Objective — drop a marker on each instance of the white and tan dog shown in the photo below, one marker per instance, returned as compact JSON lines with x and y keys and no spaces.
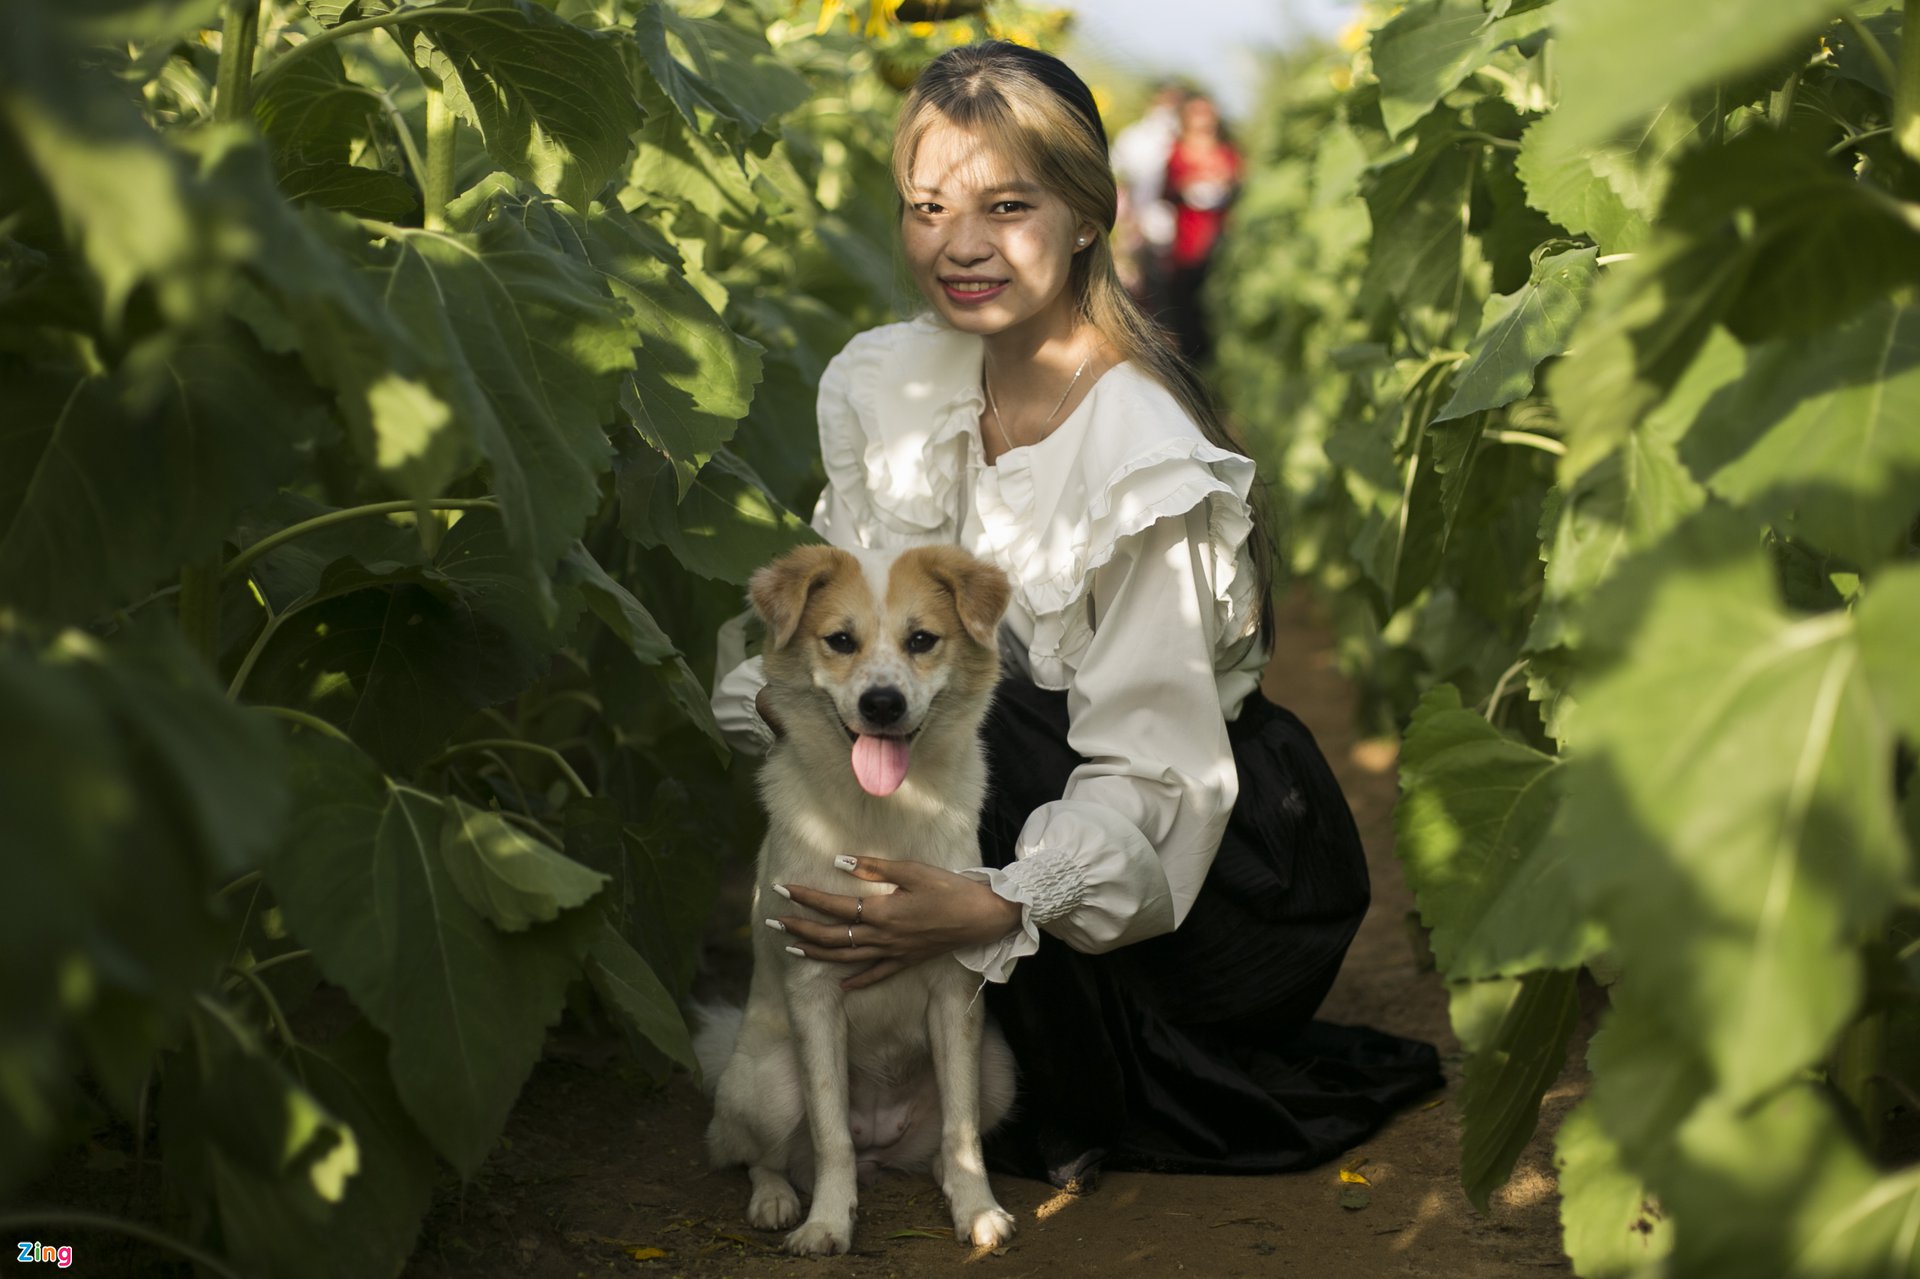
{"x":880,"y":668}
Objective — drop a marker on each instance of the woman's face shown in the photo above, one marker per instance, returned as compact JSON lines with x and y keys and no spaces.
{"x":989,"y":248}
{"x":1199,"y":115}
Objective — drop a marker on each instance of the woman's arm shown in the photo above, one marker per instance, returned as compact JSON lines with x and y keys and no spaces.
{"x":1140,"y":821}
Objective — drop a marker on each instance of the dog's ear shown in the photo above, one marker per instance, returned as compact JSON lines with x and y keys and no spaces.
{"x":980,"y":590}
{"x":780,"y":590}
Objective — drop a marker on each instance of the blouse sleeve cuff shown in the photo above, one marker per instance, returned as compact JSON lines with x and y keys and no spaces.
{"x":1045,"y":888}
{"x":736,"y":691}
{"x":1109,"y":884}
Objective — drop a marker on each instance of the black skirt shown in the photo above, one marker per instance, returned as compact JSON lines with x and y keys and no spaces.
{"x":1196,"y":1051}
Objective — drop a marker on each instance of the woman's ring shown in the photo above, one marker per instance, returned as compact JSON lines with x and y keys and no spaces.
{"x":849,"y":935}
{"x":859,"y":909}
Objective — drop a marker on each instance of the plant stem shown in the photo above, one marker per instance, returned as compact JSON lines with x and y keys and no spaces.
{"x":1855,"y":139}
{"x":415,"y":161}
{"x":285,"y":957}
{"x":436,"y":191}
{"x":305,"y":720}
{"x":1545,"y":443}
{"x":250,"y":878}
{"x":438,"y":187}
{"x":275,"y":1013}
{"x":275,"y":620}
{"x":239,"y":563}
{"x":154,"y":598}
{"x":1906,"y":88}
{"x":1488,"y":139}
{"x":1500,"y":689}
{"x":258,"y":647}
{"x":515,"y":743}
{"x":239,"y":33}
{"x":322,"y":39}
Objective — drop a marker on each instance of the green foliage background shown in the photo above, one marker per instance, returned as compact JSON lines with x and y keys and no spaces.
{"x":1585,"y":336}
{"x":393,"y":400}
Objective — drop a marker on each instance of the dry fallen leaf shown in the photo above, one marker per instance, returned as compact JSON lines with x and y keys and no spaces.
{"x":645,"y":1254}
{"x":1348,"y":1177}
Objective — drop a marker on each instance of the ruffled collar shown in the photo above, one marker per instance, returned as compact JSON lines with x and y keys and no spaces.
{"x":1052,"y":511}
{"x":931,"y":384}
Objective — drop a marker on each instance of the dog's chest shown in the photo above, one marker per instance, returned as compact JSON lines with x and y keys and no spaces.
{"x":887,"y":1023}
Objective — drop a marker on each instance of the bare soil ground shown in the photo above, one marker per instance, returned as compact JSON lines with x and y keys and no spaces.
{"x":601,"y":1177}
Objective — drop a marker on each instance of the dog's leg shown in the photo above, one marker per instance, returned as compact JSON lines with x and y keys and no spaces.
{"x":820,"y":1026}
{"x":953,"y":1032}
{"x":759,"y":1104}
{"x":773,"y":1205}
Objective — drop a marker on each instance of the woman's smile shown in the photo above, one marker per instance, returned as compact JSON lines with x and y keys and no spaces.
{"x":971,"y":292}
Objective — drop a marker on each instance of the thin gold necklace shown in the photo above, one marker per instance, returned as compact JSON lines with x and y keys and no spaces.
{"x":1000,"y":423}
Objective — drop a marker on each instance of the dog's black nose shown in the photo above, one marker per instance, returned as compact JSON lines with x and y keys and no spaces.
{"x":882,"y":706}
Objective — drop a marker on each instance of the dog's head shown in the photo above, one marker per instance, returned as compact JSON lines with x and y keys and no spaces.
{"x":890,"y":640}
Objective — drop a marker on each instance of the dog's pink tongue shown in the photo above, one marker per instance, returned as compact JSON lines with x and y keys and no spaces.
{"x":880,"y":763}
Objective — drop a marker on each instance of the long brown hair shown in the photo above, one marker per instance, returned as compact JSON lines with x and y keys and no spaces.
{"x":1042,"y":116}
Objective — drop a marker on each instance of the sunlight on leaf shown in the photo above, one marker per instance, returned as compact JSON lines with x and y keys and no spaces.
{"x":406,"y":416}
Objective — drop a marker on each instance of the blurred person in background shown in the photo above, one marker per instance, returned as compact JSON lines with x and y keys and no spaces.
{"x":1144,"y":233}
{"x":1202,"y":177}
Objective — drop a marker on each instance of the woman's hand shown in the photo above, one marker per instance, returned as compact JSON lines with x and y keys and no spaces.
{"x":930,"y":912}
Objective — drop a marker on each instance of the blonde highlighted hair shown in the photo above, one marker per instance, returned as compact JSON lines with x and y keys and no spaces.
{"x":1041,"y":116}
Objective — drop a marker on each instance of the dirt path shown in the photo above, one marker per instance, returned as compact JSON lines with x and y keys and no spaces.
{"x":599,"y":1176}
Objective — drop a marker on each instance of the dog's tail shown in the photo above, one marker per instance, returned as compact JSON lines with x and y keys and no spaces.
{"x":715,"y":1029}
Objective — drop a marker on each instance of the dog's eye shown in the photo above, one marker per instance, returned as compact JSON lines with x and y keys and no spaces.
{"x":841,"y":642}
{"x":921,"y":641}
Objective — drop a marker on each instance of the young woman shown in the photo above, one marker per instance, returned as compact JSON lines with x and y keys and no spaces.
{"x":1171,"y":875}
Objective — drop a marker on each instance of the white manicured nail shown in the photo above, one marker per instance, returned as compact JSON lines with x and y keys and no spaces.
{"x":782,"y":890}
{"x":795,"y":950}
{"x":776,"y":925}
{"x":846,"y":863}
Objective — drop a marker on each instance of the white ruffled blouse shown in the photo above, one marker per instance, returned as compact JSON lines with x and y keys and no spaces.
{"x":1125,"y":533}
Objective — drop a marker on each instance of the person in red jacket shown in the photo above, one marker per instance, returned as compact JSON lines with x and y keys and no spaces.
{"x":1203,"y":175}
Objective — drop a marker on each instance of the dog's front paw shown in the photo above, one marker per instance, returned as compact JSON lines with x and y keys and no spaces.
{"x":820,"y":1239}
{"x":773,"y":1207}
{"x":987,"y":1228}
